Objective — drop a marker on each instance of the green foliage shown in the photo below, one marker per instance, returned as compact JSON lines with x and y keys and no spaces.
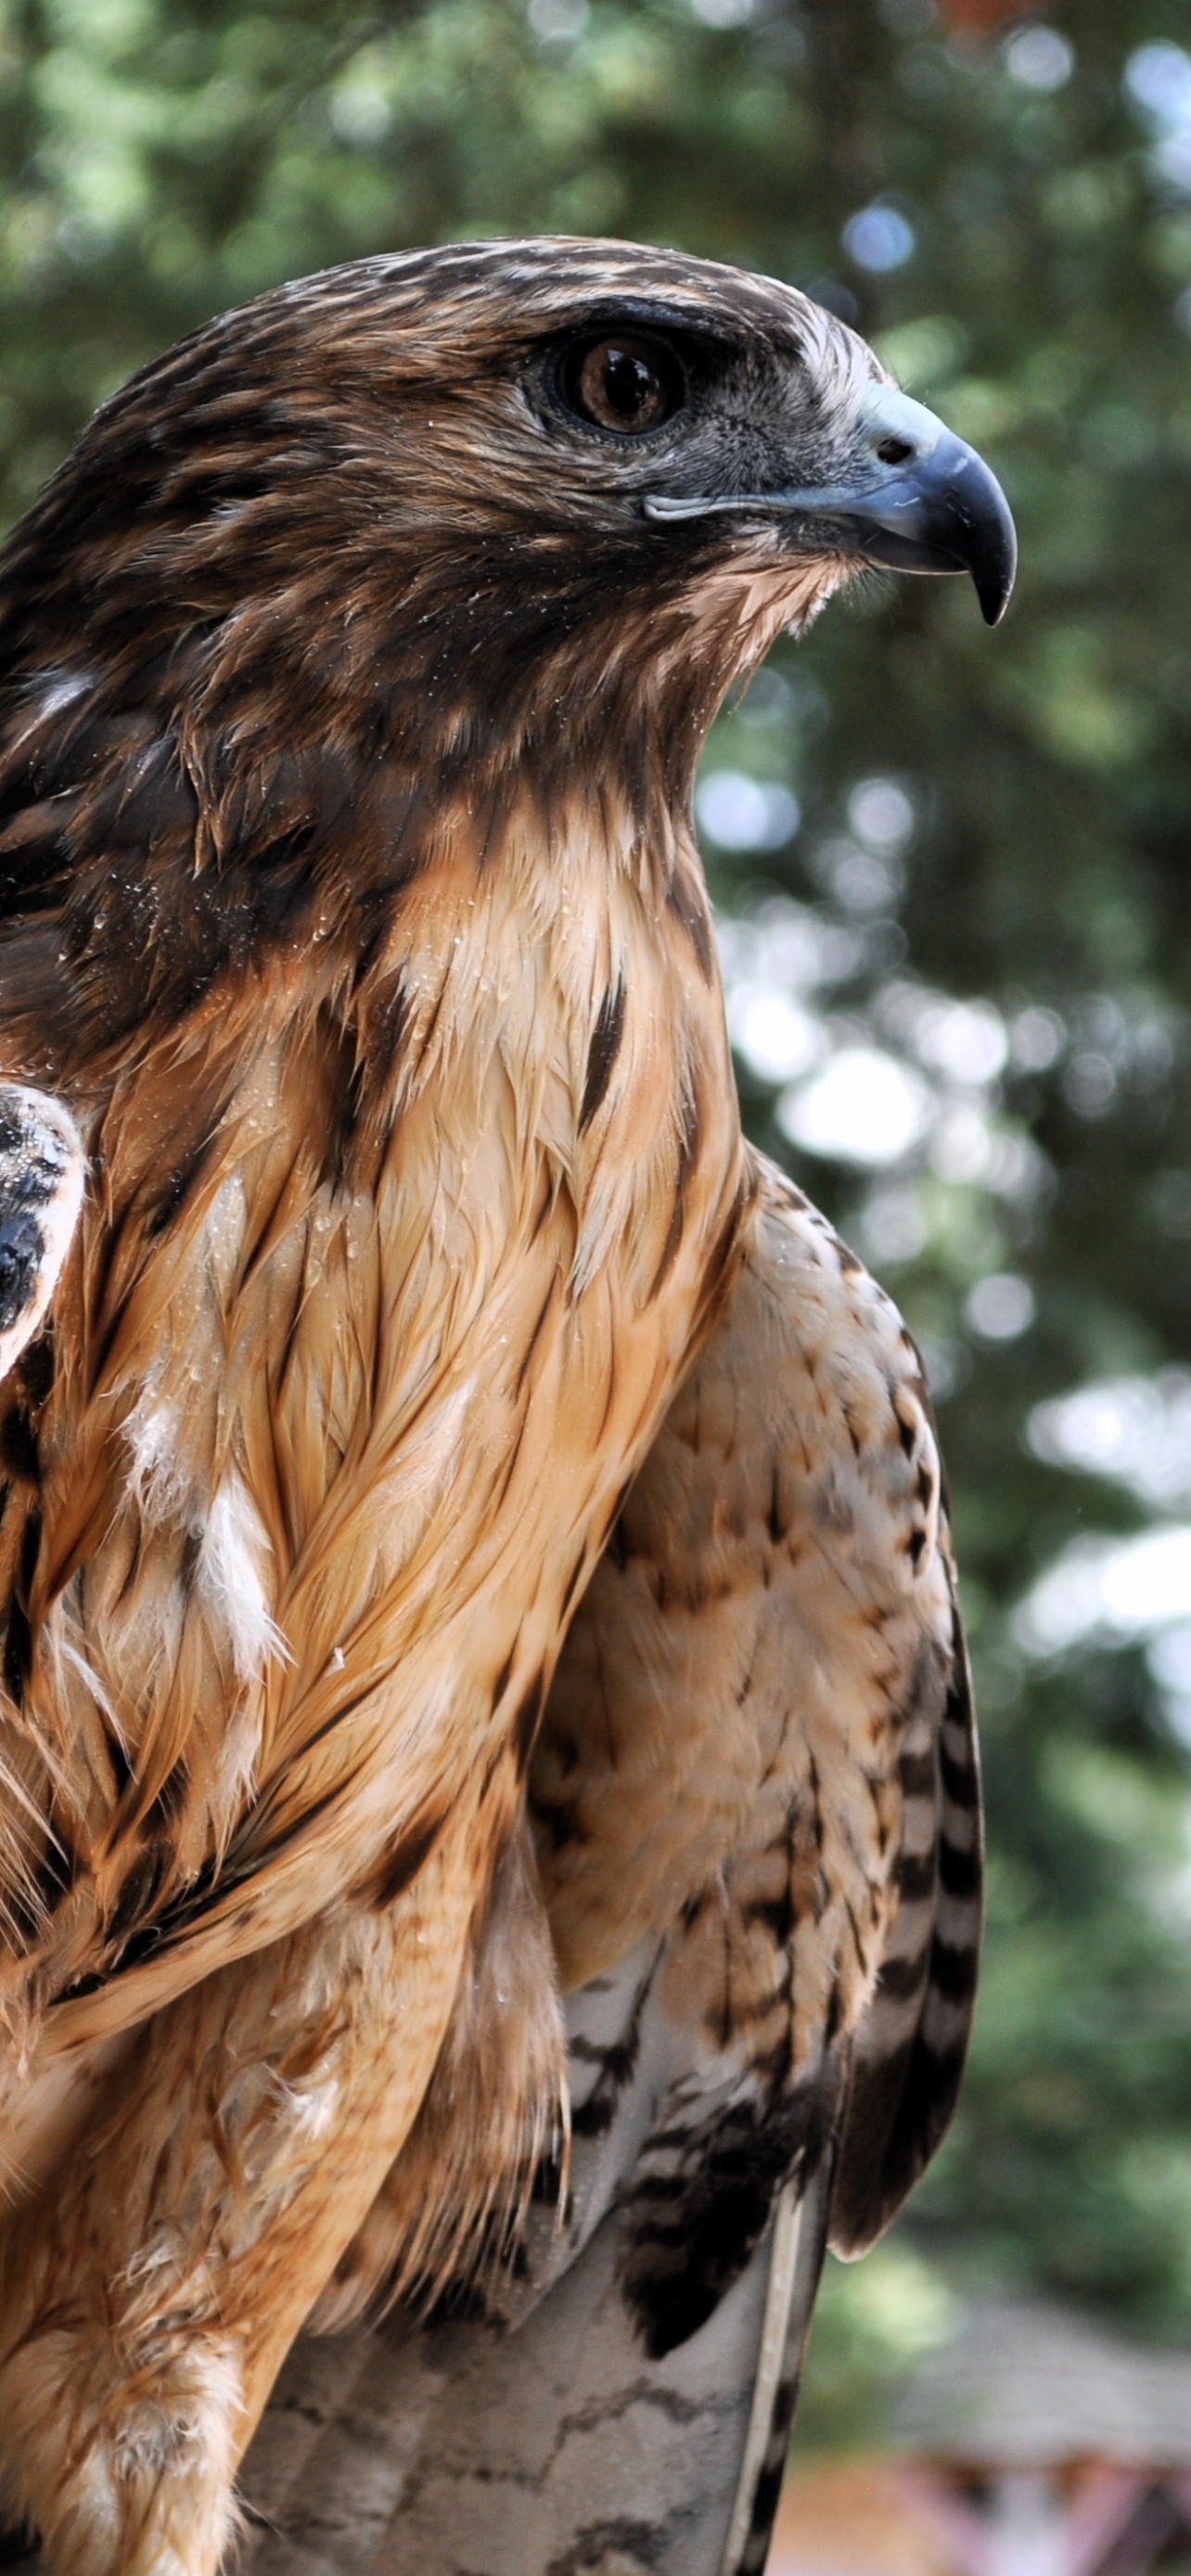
{"x":163,"y":158}
{"x":873,"y":2321}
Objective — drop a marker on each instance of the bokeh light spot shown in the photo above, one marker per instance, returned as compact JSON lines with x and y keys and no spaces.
{"x":878,"y":238}
{"x":1039,"y":58}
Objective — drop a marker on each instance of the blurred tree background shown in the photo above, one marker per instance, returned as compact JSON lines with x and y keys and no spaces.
{"x":954,"y":869}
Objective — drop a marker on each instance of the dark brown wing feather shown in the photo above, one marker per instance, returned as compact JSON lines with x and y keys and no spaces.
{"x":770,"y":1656}
{"x":911,"y":2045}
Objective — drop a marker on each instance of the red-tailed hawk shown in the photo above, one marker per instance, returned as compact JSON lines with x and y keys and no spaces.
{"x":425,"y":1310}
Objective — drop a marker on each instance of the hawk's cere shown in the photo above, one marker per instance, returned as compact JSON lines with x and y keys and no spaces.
{"x":488,"y":1816}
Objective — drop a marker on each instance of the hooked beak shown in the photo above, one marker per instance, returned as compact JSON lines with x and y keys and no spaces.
{"x":922,"y":501}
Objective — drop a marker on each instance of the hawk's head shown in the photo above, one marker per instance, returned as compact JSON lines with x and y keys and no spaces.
{"x":605,"y":392}
{"x":476,"y":467}
{"x":420,"y":522}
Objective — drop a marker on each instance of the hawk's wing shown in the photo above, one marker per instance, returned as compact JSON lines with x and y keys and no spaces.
{"x":757,"y":1809}
{"x":42,"y":1170}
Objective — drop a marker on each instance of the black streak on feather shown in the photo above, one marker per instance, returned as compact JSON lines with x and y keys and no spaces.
{"x":34,"y":1372}
{"x":959,"y":1870}
{"x":18,"y":1446}
{"x":527,"y":1722}
{"x":603,"y":1051}
{"x":687,"y":905}
{"x":617,"y":2063}
{"x":636,"y":2545}
{"x":688,"y":2235}
{"x":688,"y":1148}
{"x":18,"y":1643}
{"x":953,"y":1971}
{"x":404,"y":1862}
{"x":172,"y":1198}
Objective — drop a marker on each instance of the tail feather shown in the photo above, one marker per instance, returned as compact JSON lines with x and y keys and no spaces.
{"x":797,"y":2246}
{"x":544,"y":2438}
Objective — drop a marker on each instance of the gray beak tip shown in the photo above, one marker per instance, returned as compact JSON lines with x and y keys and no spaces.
{"x":990,"y":552}
{"x":994,"y":587}
{"x":945,"y":512}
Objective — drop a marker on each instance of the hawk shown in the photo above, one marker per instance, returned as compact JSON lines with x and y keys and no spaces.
{"x":489,"y":1814}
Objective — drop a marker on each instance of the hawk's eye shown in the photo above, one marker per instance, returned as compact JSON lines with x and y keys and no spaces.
{"x":623,"y":382}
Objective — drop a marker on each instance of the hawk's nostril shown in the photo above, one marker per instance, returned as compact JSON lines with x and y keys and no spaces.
{"x":894,"y":451}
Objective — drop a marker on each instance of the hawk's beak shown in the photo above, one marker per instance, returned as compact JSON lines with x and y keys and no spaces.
{"x":922,"y":500}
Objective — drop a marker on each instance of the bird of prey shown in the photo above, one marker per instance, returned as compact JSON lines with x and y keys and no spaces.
{"x":488,"y":1816}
